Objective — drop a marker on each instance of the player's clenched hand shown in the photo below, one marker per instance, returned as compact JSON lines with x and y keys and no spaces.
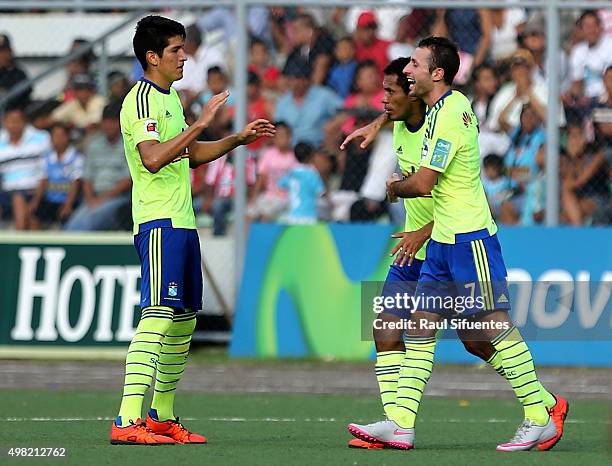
{"x":212,"y":107}
{"x":255,"y":130}
{"x":368,"y":133}
{"x":410,"y":243}
{"x":390,"y":194}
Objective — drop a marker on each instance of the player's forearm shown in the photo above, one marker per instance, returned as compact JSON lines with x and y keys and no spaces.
{"x":206,"y":152}
{"x":409,"y":187}
{"x":426,"y":230}
{"x":155,"y":156}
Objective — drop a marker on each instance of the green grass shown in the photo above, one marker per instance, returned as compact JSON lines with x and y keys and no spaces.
{"x":278,"y":429}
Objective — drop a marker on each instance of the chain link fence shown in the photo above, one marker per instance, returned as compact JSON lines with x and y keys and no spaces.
{"x":317,"y":71}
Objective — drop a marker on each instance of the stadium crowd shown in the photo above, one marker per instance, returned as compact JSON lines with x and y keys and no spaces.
{"x":318,"y":74}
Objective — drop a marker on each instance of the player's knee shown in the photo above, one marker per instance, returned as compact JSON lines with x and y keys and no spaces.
{"x":388,"y":340}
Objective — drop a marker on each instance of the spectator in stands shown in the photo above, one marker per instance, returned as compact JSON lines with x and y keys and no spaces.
{"x":106,"y":179}
{"x":220,"y":187}
{"x":85,"y":110}
{"x":304,"y":185}
{"x":216,"y":81}
{"x":259,"y":63}
{"x":588,"y":60}
{"x":485,"y":85}
{"x":534,"y":40}
{"x":11,"y":75}
{"x":268,"y":200}
{"x":313,"y":44}
{"x":79,"y":66}
{"x":470,"y":29}
{"x":410,"y":29}
{"x":497,"y":185}
{"x":57,"y":193}
{"x":368,"y":95}
{"x":199,"y":60}
{"x":602,"y":117}
{"x":585,"y":184}
{"x":507,"y":25}
{"x":368,"y":46}
{"x":21,"y":151}
{"x":508,"y":102}
{"x":305,"y":108}
{"x":118,"y":87}
{"x":258,"y":106}
{"x":523,"y":161}
{"x":342,"y":72}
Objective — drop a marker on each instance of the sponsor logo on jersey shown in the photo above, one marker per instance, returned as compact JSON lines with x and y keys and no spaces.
{"x":440,"y":154}
{"x":150,"y":126}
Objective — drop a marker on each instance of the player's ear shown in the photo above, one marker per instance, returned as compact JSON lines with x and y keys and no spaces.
{"x":437,"y":74}
{"x":152,"y":58}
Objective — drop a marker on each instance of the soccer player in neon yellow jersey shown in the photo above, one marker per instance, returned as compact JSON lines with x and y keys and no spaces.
{"x":160,"y":148}
{"x":463,"y":260}
{"x":408,"y":116}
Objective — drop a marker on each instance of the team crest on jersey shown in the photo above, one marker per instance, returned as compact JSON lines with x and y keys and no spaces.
{"x":467,"y":119}
{"x":172,"y":290}
{"x":150,"y":126}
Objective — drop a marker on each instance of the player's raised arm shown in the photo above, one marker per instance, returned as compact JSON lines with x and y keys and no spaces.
{"x":205,"y":152}
{"x":155,"y":155}
{"x":367,"y":132}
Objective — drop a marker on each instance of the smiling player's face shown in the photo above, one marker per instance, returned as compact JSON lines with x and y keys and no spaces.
{"x":417,"y":70}
{"x":170,"y":64}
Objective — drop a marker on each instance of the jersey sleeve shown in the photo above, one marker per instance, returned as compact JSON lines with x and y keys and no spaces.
{"x":440,"y":149}
{"x":143,"y":117}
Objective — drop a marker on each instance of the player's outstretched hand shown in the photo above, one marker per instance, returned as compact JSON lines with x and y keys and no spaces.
{"x":212,"y":107}
{"x":410,"y":243}
{"x":256,"y":129}
{"x":368,"y":133}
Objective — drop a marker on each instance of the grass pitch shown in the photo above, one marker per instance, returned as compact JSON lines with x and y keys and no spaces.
{"x":274,"y":429}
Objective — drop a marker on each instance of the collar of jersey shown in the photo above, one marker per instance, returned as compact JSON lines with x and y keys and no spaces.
{"x":446,"y":94}
{"x":414,"y":129}
{"x":160,"y":89}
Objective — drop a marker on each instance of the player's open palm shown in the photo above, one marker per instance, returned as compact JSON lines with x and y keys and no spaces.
{"x":256,"y":129}
{"x":212,"y":107}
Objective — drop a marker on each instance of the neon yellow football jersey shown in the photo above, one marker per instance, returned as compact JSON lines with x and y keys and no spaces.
{"x":450,"y":147}
{"x":152,"y":113}
{"x":407,"y":144}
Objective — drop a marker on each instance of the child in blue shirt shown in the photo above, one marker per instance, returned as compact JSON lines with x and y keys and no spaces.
{"x":304,"y":185}
{"x":56,"y":196}
{"x":497,"y":185}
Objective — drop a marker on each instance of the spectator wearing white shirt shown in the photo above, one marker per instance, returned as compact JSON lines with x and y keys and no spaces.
{"x":588,"y":60}
{"x":507,"y":104}
{"x":21,"y":151}
{"x":507,"y":25}
{"x":199,"y":59}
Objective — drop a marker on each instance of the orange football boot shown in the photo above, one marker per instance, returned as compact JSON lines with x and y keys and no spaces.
{"x":175,"y":430}
{"x":358,"y":443}
{"x":558,"y":413}
{"x":137,"y":433}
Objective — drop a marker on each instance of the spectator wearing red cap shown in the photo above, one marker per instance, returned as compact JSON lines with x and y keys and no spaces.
{"x":368,"y":46}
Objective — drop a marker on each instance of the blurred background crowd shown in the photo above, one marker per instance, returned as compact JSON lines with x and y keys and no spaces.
{"x":317,"y":73}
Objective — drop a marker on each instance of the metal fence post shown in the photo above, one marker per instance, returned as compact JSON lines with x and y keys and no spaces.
{"x":103,"y":71}
{"x":552,"y":121}
{"x":240,"y":153}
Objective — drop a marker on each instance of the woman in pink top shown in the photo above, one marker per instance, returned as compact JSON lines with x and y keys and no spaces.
{"x":268,"y":200}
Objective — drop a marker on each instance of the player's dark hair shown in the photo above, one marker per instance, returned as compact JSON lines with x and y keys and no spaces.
{"x":153,"y":34}
{"x":303,"y":152}
{"x":396,"y":68}
{"x":444,"y":54}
